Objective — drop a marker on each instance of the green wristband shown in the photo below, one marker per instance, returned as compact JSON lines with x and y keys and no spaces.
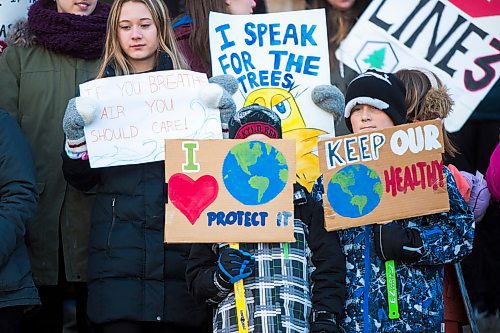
{"x":392,"y":289}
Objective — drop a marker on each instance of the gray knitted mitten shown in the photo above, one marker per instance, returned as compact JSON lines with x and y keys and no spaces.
{"x":80,"y":112}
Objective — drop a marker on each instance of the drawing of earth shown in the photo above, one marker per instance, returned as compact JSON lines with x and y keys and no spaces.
{"x":254,"y":172}
{"x":354,"y":191}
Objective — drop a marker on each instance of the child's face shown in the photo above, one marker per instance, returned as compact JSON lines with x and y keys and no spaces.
{"x":240,"y":7}
{"x":83,"y":7}
{"x":138,"y":36}
{"x":368,"y":118}
{"x":341,"y":5}
{"x":258,"y":136}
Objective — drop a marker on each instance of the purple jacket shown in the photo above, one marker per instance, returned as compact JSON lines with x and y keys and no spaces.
{"x":479,"y":194}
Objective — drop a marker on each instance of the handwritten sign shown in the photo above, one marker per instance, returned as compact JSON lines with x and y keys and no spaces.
{"x":379,"y":176}
{"x":11,"y":11}
{"x":229,"y":191}
{"x":278,"y":59}
{"x":138,"y":112}
{"x":440,"y":36}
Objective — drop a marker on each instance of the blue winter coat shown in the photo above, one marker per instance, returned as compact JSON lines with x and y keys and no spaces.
{"x":18,"y":200}
{"x":447,"y":238}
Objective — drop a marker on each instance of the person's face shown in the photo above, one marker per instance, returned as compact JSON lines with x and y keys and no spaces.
{"x":138,"y":36}
{"x":257,"y":136}
{"x":77,"y":7}
{"x":240,"y":7}
{"x":341,"y":5}
{"x":367,"y":118}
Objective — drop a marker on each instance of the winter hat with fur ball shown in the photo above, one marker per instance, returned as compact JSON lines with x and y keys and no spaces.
{"x":383,"y":91}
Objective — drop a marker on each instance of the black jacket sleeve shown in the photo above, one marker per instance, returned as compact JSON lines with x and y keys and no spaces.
{"x":18,"y":194}
{"x":200,"y":275}
{"x":329,"y":276}
{"x":79,"y":173}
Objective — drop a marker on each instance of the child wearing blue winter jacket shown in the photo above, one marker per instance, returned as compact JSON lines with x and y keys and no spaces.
{"x":18,"y":203}
{"x":420,"y":246}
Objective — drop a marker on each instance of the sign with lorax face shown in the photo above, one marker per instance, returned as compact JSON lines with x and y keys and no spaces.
{"x":278,"y":59}
{"x":383,"y":175}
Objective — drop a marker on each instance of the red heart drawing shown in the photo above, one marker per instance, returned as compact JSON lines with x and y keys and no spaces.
{"x":192,"y":197}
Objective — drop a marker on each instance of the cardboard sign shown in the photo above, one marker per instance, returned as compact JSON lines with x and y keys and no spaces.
{"x":278,"y":59}
{"x":138,"y":112}
{"x":229,"y":191}
{"x":437,"y":35}
{"x":10,"y":12}
{"x":380,"y":176}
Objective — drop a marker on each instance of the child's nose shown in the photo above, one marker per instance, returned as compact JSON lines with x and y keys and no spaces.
{"x":136,"y":33}
{"x":365,"y":113}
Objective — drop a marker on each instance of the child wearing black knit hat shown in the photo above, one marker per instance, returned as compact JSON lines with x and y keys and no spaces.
{"x":379,"y":91}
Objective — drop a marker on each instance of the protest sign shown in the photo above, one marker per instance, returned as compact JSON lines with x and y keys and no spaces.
{"x":11,"y":11}
{"x":138,"y":112}
{"x":233,"y":191}
{"x":278,"y":59}
{"x":385,"y":175}
{"x":457,"y":40}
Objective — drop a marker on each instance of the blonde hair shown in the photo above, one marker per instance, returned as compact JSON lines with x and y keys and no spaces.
{"x":113,"y":53}
{"x":426,"y":98}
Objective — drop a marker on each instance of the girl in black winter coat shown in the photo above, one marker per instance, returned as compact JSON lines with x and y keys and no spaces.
{"x":136,"y":282}
{"x":18,"y":201}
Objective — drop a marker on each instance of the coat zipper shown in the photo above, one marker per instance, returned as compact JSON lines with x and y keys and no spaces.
{"x":112,"y":221}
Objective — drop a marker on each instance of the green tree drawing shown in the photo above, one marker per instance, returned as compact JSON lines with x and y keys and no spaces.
{"x":376,"y":59}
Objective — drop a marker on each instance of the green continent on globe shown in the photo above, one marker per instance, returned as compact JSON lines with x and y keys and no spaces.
{"x":283,"y":175}
{"x":260,"y":184}
{"x":246,"y":156}
{"x":283,"y":172}
{"x":345,"y":180}
{"x":378,"y":189}
{"x":360,"y":201}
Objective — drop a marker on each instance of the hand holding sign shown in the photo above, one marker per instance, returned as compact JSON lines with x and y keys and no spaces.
{"x":397,"y":242}
{"x":80,"y":112}
{"x":233,"y":265}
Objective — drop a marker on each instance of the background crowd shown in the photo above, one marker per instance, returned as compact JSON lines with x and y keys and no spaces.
{"x":75,"y":262}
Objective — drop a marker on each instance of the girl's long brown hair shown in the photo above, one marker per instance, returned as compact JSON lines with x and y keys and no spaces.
{"x":113,"y":53}
{"x":199,"y":10}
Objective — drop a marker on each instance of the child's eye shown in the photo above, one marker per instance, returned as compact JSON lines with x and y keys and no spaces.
{"x":145,"y":26}
{"x":124,"y":27}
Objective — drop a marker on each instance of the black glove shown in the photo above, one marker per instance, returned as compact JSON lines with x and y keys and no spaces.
{"x":232,"y":266}
{"x":397,"y":242}
{"x":324,"y":322}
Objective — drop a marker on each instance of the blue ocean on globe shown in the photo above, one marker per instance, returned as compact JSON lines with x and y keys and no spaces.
{"x":354,"y":191}
{"x":254,"y":172}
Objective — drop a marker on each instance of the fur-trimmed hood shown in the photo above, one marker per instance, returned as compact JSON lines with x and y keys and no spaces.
{"x":20,"y":35}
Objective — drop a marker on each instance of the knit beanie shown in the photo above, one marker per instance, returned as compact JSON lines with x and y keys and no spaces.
{"x":383,"y":91}
{"x":254,"y":119}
